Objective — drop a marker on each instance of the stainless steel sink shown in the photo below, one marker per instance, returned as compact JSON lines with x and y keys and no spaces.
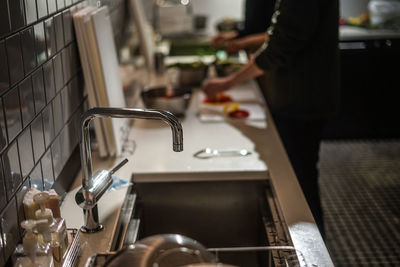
{"x":221,"y":214}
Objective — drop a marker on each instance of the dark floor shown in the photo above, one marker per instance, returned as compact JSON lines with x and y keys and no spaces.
{"x":360,"y":192}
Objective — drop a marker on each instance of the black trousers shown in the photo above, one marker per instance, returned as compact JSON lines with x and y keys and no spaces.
{"x":301,"y":139}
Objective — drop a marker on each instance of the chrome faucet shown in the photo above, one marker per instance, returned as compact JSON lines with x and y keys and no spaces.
{"x":94,"y":186}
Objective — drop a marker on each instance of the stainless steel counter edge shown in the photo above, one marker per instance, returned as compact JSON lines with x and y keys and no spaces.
{"x":297,"y":215}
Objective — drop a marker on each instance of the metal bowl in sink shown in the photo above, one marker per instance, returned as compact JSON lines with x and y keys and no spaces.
{"x":175,"y":100}
{"x":165,"y":250}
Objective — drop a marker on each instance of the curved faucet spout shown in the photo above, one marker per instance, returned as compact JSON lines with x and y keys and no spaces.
{"x":91,"y":223}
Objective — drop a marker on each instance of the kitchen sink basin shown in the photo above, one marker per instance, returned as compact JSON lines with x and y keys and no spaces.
{"x":223,"y":214}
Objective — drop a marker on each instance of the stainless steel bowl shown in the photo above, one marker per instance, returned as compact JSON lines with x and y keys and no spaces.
{"x":192,"y":77}
{"x":165,"y":250}
{"x":174,"y":100}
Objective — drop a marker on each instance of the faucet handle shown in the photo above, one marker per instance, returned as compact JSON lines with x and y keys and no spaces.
{"x":118,"y":166}
{"x":101,"y":181}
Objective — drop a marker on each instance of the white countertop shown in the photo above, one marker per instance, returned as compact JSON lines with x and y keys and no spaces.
{"x":154,"y":160}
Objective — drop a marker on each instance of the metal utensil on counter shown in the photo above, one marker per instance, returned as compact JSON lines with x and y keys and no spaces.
{"x":207,"y":153}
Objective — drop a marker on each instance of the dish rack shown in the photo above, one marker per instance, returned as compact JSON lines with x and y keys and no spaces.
{"x":74,"y":249}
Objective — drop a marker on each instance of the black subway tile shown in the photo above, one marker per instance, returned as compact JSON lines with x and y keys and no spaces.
{"x":3,"y":197}
{"x":52,"y":6}
{"x":60,"y":4}
{"x":3,"y":131}
{"x":66,"y":103}
{"x":68,"y":26}
{"x":58,"y":72}
{"x":25,"y":151}
{"x":14,"y":56}
{"x":4,"y":19}
{"x":4,"y":80}
{"x":48,"y":125}
{"x":37,"y":137}
{"x":13,"y":113}
{"x":66,"y":60}
{"x":49,"y":82}
{"x":57,"y":157}
{"x":41,"y":8}
{"x":20,"y":207}
{"x":36,"y":177}
{"x":27,"y":101}
{"x":30,"y":11}
{"x":40,"y":43}
{"x":75,"y":61}
{"x":50,"y":37}
{"x":28,"y":49}
{"x":17,"y":14}
{"x":76,"y":93}
{"x":57,"y":111}
{"x":38,"y":90}
{"x":47,"y":168}
{"x":58,"y":22}
{"x":12,"y":170}
{"x":9,"y":224}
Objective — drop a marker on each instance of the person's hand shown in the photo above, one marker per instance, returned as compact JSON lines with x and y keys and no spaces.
{"x":220,"y":39}
{"x":217,"y":85}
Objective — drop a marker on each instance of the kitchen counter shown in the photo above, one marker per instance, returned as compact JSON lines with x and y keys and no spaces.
{"x":352,"y":33}
{"x":153,"y":160}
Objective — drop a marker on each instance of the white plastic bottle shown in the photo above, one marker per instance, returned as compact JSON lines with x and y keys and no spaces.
{"x":30,"y":253}
{"x":53,"y":231}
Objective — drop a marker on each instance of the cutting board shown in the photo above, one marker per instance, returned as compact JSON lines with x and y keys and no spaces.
{"x":247,"y":100}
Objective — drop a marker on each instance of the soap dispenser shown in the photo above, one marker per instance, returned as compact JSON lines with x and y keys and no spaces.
{"x":30,"y":253}
{"x":53,"y":231}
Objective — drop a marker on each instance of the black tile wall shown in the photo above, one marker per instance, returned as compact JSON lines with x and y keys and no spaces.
{"x":30,"y":11}
{"x":28,"y":49}
{"x":58,"y":23}
{"x":25,"y":151}
{"x":14,"y":55}
{"x":49,"y":83}
{"x":4,"y":81}
{"x":3,"y":133}
{"x":27,"y":101}
{"x":38,"y":90}
{"x":17,"y":14}
{"x":13,"y":114}
{"x":60,"y":4}
{"x":50,"y":37}
{"x":37,"y":135}
{"x":41,"y":100}
{"x":40,"y":42}
{"x":58,"y":72}
{"x":12,"y":170}
{"x":47,"y":168}
{"x":4,"y":19}
{"x":3,"y":198}
{"x":41,"y":8}
{"x":52,"y":6}
{"x":48,"y":125}
{"x":9,"y":225}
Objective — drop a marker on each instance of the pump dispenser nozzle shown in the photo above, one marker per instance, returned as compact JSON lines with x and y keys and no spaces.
{"x":43,"y":212}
